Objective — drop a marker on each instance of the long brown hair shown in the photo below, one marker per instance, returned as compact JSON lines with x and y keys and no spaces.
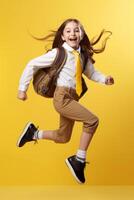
{"x":85,"y":43}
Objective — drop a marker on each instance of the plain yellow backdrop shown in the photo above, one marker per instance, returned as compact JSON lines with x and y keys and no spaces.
{"x":111,"y":152}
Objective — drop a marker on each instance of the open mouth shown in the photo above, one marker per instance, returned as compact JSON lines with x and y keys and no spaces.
{"x":73,"y":39}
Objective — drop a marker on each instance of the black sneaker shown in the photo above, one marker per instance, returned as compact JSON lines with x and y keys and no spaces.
{"x":27,"y":134}
{"x":77,"y":168}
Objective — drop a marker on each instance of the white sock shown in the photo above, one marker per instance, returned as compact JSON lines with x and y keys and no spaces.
{"x":38,"y":135}
{"x":81,"y":155}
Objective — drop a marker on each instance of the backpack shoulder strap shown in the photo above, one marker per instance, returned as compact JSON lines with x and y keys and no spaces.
{"x":60,"y":59}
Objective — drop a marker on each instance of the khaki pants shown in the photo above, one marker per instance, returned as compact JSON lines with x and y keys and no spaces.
{"x":66,"y":104}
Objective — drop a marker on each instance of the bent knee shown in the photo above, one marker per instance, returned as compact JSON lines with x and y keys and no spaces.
{"x":65,"y":140}
{"x":96,"y":121}
{"x":94,"y":125}
{"x":91,"y":125}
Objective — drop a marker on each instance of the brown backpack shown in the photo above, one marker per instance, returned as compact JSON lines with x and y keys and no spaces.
{"x":44,"y":80}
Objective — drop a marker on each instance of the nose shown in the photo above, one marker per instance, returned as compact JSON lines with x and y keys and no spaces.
{"x":72,"y":33}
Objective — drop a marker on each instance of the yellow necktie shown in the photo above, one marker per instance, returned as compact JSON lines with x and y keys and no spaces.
{"x":78,"y":73}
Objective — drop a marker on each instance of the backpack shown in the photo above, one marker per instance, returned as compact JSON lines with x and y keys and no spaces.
{"x":44,"y":80}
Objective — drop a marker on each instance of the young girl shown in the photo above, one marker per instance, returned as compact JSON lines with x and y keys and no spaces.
{"x":72,"y":36}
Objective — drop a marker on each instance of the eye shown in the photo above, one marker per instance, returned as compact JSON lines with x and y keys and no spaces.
{"x":77,"y":30}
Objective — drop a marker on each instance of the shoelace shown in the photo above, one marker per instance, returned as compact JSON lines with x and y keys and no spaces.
{"x":35,"y":141}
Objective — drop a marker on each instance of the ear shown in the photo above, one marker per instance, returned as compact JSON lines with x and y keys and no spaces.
{"x":62,"y":37}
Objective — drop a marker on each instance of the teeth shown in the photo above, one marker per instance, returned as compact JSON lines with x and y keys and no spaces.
{"x":73,"y":39}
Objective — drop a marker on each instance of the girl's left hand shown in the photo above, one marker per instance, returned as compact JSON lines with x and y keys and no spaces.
{"x":109,"y":80}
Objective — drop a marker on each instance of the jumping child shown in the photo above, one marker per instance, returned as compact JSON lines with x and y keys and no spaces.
{"x":73,"y":38}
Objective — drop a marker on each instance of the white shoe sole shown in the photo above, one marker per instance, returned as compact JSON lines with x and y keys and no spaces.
{"x":72,"y":171}
{"x":23,"y":133}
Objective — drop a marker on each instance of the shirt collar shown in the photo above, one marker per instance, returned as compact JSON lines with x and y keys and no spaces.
{"x":68,"y":48}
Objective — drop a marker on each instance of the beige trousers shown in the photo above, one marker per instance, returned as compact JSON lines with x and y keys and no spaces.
{"x":66,"y":104}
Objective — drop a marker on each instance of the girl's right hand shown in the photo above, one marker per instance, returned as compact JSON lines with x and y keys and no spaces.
{"x":22,"y":95}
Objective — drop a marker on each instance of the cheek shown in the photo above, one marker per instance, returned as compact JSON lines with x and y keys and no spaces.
{"x":64,"y":37}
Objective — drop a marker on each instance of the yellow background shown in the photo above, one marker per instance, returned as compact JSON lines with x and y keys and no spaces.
{"x":111,"y":152}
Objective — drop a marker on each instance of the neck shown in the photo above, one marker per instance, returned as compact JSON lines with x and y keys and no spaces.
{"x":75,"y":48}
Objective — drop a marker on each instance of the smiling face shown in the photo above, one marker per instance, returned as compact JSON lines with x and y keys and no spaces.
{"x":72,"y":34}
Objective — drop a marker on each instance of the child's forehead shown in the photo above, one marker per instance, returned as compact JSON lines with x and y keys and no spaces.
{"x":72,"y":24}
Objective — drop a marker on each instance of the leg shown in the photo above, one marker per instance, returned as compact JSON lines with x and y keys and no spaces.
{"x":75,"y":111}
{"x":85,"y":141}
{"x":61,"y":135}
{"x":69,"y":108}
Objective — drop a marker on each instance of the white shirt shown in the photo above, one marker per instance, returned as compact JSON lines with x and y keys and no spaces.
{"x":67,"y":74}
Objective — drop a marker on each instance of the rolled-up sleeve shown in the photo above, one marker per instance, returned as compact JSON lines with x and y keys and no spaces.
{"x":33,"y":66}
{"x":93,"y":74}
